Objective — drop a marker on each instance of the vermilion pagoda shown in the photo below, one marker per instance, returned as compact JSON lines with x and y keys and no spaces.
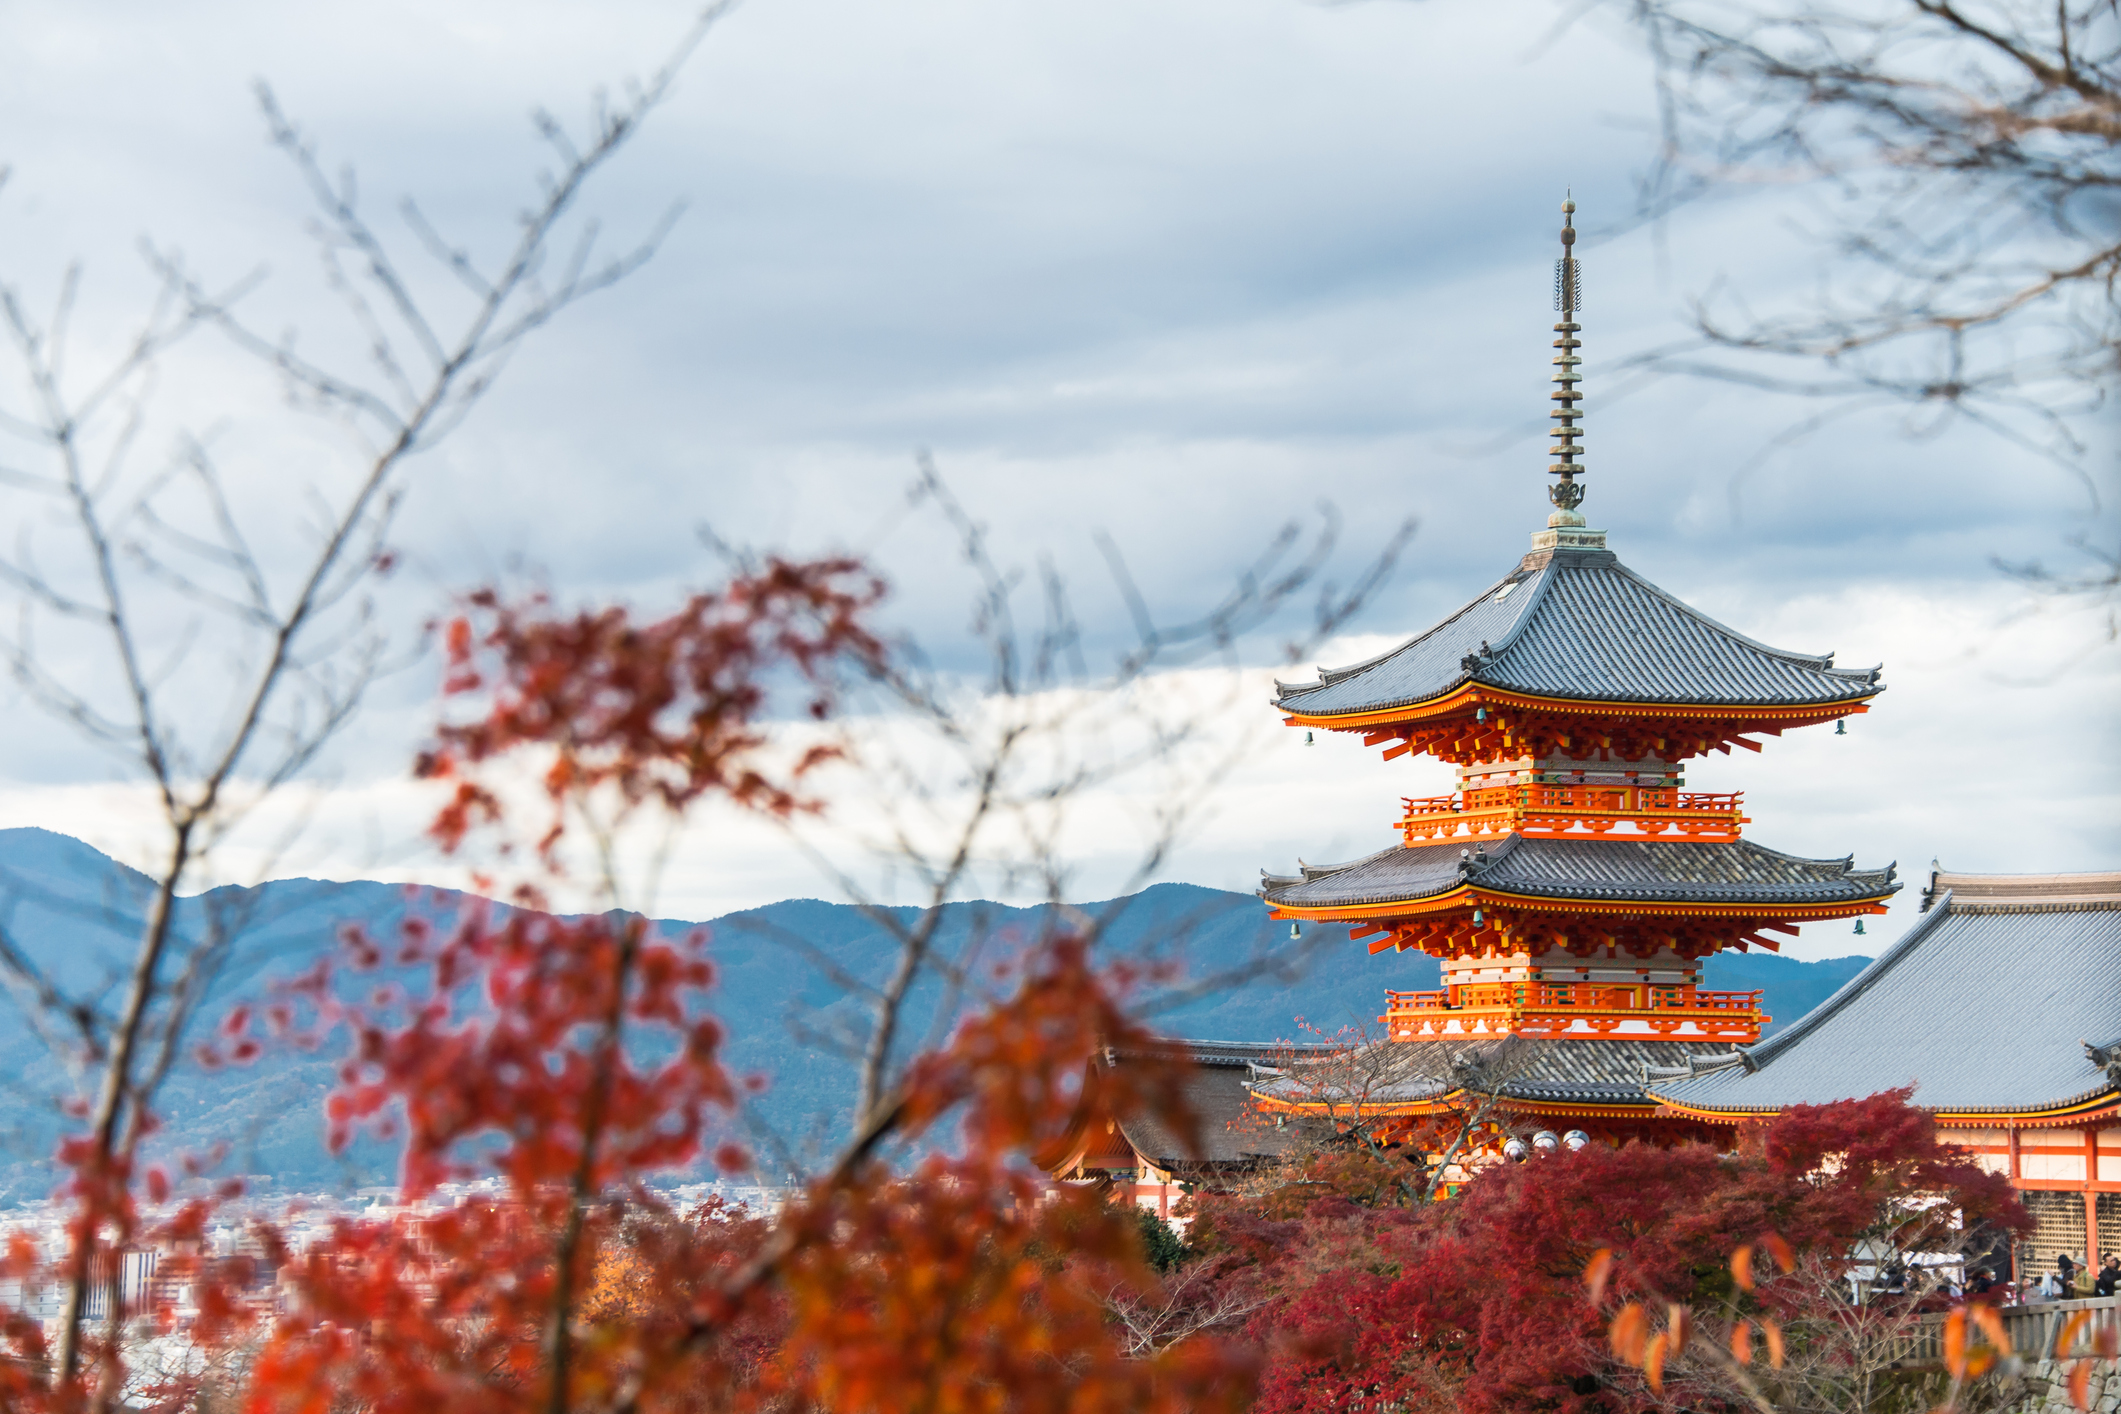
{"x":1573,"y":884}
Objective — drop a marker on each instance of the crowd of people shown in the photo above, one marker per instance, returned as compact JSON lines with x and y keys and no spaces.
{"x":2069,"y":1280}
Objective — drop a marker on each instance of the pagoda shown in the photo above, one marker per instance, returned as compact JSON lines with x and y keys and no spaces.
{"x":1572,"y":884}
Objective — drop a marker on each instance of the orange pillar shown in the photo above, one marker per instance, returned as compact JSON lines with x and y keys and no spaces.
{"x":2016,"y":1173}
{"x":2091,"y":1200}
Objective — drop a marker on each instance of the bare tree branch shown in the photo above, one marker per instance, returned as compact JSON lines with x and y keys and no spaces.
{"x":304,"y":652}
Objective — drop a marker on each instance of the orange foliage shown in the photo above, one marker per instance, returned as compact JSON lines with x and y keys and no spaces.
{"x":664,"y":712}
{"x":574,"y":1058}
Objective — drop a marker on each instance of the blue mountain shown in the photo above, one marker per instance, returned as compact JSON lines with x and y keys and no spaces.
{"x":1213,"y":967}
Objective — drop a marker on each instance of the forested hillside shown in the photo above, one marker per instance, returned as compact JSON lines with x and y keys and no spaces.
{"x":75,"y":912}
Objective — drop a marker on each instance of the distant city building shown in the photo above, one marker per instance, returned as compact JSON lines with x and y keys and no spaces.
{"x":139,"y":1280}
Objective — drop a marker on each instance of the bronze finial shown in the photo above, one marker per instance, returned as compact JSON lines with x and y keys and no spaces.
{"x":1568,"y":296}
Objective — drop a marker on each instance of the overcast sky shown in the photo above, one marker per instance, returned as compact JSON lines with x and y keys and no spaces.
{"x":1171,"y":270}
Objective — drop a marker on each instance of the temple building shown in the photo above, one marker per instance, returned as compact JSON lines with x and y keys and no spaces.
{"x":2027,"y":1075}
{"x":1139,"y":1157}
{"x":1573,"y":883}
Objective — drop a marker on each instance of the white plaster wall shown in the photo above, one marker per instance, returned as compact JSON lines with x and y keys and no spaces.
{"x":2032,"y":1164}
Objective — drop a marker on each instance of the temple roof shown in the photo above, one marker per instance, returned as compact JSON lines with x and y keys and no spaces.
{"x":1576,"y":623}
{"x":2022,"y":893}
{"x":1585,"y":1072}
{"x":1688,"y":871}
{"x":1989,"y":1003}
{"x":1215,"y":1087}
{"x":1223,"y":1077}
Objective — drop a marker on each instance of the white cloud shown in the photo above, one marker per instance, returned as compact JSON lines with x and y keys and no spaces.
{"x":1172,"y":271}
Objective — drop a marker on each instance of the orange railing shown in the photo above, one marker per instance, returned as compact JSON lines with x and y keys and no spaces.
{"x":1598,"y":995}
{"x":1536,"y":1008}
{"x":1724,"y":1001}
{"x":1549,"y":810}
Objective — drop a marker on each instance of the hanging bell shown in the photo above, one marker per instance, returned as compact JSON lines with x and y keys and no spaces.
{"x":1859,"y":927}
{"x":1307,"y":739}
{"x":1841,"y":726}
{"x":1477,"y":915}
{"x":1480,"y":715}
{"x":1295,"y":932}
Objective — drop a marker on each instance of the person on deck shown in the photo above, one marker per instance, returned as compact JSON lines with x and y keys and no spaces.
{"x":2109,"y":1277}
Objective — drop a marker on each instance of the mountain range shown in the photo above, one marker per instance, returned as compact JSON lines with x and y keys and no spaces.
{"x":74,"y":913}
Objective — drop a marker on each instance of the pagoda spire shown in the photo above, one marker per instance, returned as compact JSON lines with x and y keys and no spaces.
{"x":1568,"y":292}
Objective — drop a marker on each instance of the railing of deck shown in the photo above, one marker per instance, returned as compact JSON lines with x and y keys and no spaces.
{"x":2033,"y":1329}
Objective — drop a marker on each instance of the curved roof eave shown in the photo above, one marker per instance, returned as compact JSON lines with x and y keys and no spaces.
{"x":1327,"y":677}
{"x":1295,"y":707}
{"x":1489,"y":665}
{"x":1490,"y":873}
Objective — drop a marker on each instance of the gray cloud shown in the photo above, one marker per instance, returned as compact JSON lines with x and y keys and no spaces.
{"x":1174,"y":272}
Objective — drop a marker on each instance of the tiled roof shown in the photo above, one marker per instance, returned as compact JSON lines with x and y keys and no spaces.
{"x":1223,"y":1075}
{"x":1601,"y":1072}
{"x":1215,"y":1086}
{"x":2022,"y":893}
{"x":1623,"y":870}
{"x":1982,"y":1006}
{"x":1578,"y":623}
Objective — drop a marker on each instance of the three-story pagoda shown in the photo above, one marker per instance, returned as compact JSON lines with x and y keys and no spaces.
{"x":1573,"y":883}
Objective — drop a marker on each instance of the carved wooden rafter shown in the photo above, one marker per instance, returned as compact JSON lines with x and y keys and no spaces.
{"x":1508,"y":929}
{"x":1475,"y":725}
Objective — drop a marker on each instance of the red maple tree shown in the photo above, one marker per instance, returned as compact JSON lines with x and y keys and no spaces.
{"x":1477,"y":1304}
{"x":573,"y":1058}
